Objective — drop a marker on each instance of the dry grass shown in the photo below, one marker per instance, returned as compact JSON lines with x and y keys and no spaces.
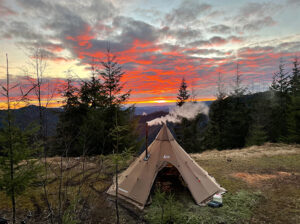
{"x":272,"y":169}
{"x":268,"y":149}
{"x":257,"y":178}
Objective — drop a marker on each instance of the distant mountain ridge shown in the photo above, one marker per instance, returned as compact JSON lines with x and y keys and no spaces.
{"x":27,"y":115}
{"x":150,"y":109}
{"x":30,"y":114}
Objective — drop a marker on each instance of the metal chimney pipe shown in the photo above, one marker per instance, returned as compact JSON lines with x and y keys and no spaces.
{"x":146,"y":143}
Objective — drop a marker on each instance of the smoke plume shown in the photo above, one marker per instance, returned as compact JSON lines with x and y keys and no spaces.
{"x":188,"y":110}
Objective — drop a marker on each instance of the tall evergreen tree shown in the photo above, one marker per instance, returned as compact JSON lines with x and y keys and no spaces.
{"x":221,"y":94}
{"x":295,"y":79}
{"x":90,"y":110}
{"x":70,"y":120}
{"x":293,"y":110}
{"x":188,"y":132}
{"x":293,"y":120}
{"x":18,"y":169}
{"x":228,"y":123}
{"x":280,"y":87}
{"x":112,"y":73}
{"x":183,"y":94}
{"x":280,"y":83}
{"x":238,"y":88}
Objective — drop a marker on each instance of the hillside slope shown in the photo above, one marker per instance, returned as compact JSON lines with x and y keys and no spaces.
{"x":271,"y":171}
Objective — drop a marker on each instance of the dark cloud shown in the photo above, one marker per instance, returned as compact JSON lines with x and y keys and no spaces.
{"x":289,"y":46}
{"x":221,"y":29}
{"x":259,"y":23}
{"x":258,"y":10}
{"x":134,"y":30}
{"x":186,"y":12}
{"x":215,"y":41}
{"x":92,"y":10}
{"x":22,"y":30}
{"x":5,"y":10}
{"x":205,"y":51}
{"x":293,"y":2}
{"x":26,"y":37}
{"x":181,"y":34}
{"x":254,"y":16}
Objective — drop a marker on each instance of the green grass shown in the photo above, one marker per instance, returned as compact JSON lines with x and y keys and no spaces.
{"x":238,"y":208}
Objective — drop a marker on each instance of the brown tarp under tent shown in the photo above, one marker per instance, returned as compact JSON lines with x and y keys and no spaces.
{"x":135,"y":183}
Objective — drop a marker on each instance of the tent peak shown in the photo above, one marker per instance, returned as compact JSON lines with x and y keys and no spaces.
{"x":164,"y":134}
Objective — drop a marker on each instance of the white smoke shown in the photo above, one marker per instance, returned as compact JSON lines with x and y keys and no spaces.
{"x":188,"y":110}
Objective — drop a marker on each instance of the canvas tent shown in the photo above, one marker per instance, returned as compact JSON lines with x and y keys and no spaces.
{"x":135,"y":183}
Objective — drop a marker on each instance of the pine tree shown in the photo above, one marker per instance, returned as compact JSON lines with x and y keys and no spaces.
{"x":280,"y":81}
{"x":93,"y":93}
{"x":221,"y":94}
{"x":111,"y":74}
{"x":293,"y":112}
{"x":259,"y":115}
{"x":295,"y":79}
{"x":88,"y":115}
{"x":280,"y":87}
{"x":238,"y":89}
{"x":293,"y":121}
{"x":18,"y":169}
{"x":70,"y":120}
{"x":183,"y":94}
{"x":256,"y":136}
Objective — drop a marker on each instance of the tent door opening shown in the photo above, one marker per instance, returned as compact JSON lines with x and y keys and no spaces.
{"x":169,"y":180}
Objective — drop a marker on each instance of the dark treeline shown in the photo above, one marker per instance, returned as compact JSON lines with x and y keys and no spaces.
{"x":242,"y":119}
{"x":91,"y":112}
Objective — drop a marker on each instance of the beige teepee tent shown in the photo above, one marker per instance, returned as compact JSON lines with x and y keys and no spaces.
{"x":135,"y":183}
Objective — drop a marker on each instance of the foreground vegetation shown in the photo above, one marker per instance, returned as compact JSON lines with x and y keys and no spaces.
{"x":262,"y":183}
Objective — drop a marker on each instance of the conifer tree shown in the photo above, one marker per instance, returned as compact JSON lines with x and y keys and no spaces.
{"x":280,"y":87}
{"x":238,"y":89}
{"x":112,"y":73}
{"x":293,"y":112}
{"x":256,"y":136}
{"x":280,"y":83}
{"x":18,"y":169}
{"x":221,"y":94}
{"x":293,"y":120}
{"x":90,"y":109}
{"x":183,"y":94}
{"x":295,"y":79}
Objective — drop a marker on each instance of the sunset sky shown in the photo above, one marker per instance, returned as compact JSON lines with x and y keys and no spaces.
{"x":157,"y":42}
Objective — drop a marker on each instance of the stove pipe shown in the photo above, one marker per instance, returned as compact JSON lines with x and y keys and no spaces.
{"x":146,"y":143}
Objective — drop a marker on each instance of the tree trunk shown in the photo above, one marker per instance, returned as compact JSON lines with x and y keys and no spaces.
{"x":11,"y":153}
{"x":117,"y":205}
{"x":117,"y":185}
